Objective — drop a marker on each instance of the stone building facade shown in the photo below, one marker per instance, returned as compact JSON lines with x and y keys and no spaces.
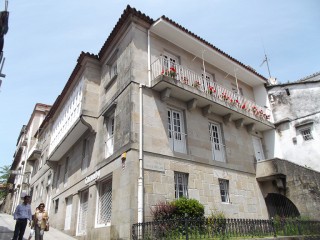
{"x":296,"y":110}
{"x":151,"y":118}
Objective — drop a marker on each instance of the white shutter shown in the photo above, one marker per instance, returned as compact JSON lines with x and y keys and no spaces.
{"x":109,"y":137}
{"x":67,"y":222}
{"x":257,"y":146}
{"x":83,"y":212}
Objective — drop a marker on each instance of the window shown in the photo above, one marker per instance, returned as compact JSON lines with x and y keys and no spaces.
{"x":224,"y":190}
{"x":67,"y":221}
{"x":181,"y":185}
{"x":216,"y":142}
{"x":109,"y":142}
{"x":85,"y":155}
{"x":169,"y":61}
{"x":176,"y":134}
{"x":104,"y":202}
{"x":66,"y":170}
{"x":36,"y":193}
{"x":56,"y":205}
{"x":41,"y":189}
{"x":306,"y":133}
{"x":113,"y":70}
{"x":257,"y":147}
{"x":58,"y":175}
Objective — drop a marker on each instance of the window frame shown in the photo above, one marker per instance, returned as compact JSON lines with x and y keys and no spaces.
{"x":306,"y":136}
{"x":176,"y":131}
{"x":109,"y":134}
{"x":224,"y":190}
{"x":220,"y":144}
{"x":107,"y":181}
{"x":184,"y":184}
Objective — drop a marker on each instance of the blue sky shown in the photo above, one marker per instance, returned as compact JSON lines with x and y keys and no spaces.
{"x":45,"y":38}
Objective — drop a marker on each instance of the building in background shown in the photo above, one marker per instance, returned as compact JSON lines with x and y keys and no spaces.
{"x":158,"y":114}
{"x":296,"y":111}
{"x":20,"y":176}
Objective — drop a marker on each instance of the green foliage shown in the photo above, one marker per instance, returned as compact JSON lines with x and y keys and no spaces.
{"x":192,"y":207}
{"x":163,"y":211}
{"x":4,"y":176}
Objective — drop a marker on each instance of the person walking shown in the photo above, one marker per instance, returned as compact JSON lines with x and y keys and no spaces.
{"x":40,"y":221}
{"x":22,"y":214}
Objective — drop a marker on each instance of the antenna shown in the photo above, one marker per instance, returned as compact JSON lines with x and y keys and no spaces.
{"x":266,"y":60}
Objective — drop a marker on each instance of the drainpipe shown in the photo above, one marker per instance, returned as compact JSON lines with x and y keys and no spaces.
{"x":140,"y":179}
{"x":149,"y":59}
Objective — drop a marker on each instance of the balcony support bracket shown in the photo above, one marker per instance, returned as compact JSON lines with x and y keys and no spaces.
{"x":192,"y":104}
{"x":165,"y":94}
{"x":207,"y":110}
{"x":227,"y":118}
{"x":250,"y":127}
{"x":239,"y":123}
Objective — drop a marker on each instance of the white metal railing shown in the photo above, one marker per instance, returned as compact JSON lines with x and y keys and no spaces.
{"x":217,"y":92}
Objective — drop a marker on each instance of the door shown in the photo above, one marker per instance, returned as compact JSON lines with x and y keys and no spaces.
{"x":67,"y":222}
{"x":258,"y":150}
{"x":83,"y":213}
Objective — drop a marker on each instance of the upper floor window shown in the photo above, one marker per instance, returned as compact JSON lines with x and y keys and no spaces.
{"x":306,"y":133}
{"x":224,"y":190}
{"x":218,"y":153}
{"x":85,"y":154}
{"x":176,"y":133}
{"x":169,"y":61}
{"x":104,"y":202}
{"x":66,"y":170}
{"x":181,"y":185}
{"x":58,"y":175}
{"x":113,"y":70}
{"x":236,"y":89}
{"x":109,"y":136}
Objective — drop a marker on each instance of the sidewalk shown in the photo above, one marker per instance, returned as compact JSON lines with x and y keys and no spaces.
{"x":7,"y":227}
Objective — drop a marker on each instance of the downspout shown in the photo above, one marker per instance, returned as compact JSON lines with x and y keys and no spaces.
{"x":140,"y":179}
{"x":149,"y":59}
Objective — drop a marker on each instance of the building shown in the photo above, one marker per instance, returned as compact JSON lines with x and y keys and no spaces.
{"x":296,"y":111}
{"x":157,"y":114}
{"x":19,"y":180}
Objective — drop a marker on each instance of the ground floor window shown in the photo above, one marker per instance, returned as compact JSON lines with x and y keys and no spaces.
{"x":181,"y":185}
{"x":224,"y":190}
{"x":83,"y":212}
{"x":104,"y":202}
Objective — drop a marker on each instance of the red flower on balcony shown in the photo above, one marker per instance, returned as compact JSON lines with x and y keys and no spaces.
{"x":211,"y":90}
{"x":243,"y":106}
{"x":196,"y":84}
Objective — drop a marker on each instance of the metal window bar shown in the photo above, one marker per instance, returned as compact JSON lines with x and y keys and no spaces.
{"x":105,"y":202}
{"x":181,"y":185}
{"x":219,"y":94}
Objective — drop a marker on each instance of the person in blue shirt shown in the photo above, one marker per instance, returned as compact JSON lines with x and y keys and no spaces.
{"x":22,"y":214}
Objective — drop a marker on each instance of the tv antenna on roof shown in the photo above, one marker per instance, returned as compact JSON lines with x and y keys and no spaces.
{"x":266,"y":60}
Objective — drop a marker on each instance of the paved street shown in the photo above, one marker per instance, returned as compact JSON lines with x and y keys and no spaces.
{"x":7,"y":226}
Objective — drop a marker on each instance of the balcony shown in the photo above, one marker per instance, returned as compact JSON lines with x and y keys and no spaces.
{"x":186,"y":85}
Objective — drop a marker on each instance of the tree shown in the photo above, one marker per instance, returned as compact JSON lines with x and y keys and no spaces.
{"x":4,"y":176}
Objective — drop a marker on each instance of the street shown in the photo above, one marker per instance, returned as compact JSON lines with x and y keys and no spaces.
{"x":7,"y":227}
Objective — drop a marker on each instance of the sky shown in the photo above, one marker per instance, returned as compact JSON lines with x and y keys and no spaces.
{"x":46,"y":37}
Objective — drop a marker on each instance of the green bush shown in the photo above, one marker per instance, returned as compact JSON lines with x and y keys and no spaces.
{"x":192,"y":207}
{"x":162,"y":211}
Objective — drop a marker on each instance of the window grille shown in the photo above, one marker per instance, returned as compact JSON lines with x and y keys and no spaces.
{"x":181,"y":185}
{"x":306,"y":134}
{"x":83,"y":213}
{"x":104,"y":202}
{"x":224,"y":190}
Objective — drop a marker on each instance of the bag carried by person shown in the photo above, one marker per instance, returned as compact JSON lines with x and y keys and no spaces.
{"x":47,"y":227}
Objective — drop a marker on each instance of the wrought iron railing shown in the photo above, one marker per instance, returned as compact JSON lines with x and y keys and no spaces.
{"x":214,"y":91}
{"x":209,"y":228}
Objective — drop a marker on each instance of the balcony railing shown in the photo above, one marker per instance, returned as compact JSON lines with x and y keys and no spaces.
{"x":214,"y":91}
